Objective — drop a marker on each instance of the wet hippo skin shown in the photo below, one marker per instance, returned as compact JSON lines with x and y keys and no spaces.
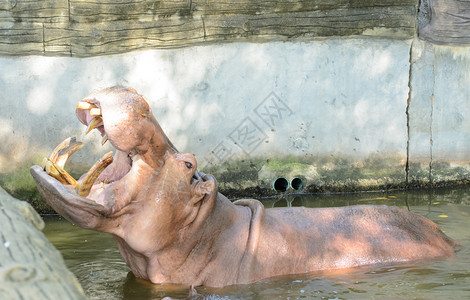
{"x":172,"y":226}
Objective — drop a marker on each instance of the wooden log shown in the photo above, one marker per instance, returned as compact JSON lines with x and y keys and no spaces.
{"x":449,"y":22}
{"x":30,"y":266}
{"x":250,"y":7}
{"x":86,"y":28}
{"x":311,"y":24}
{"x":34,"y":11}
{"x":86,"y":11}
{"x":21,"y":38}
{"x":89,"y":39}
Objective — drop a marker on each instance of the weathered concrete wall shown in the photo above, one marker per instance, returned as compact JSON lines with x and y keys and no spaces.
{"x":339,"y":113}
{"x":439,"y":113}
{"x":30,"y":267}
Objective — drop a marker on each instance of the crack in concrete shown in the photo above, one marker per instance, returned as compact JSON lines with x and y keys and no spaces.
{"x":204,"y":27}
{"x":70,"y":14}
{"x":43,"y":39}
{"x":431,"y":141}
{"x":407,"y":112}
{"x":430,"y":138}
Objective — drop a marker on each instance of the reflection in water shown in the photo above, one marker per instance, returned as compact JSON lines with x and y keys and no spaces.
{"x":95,"y":260}
{"x":285,"y":201}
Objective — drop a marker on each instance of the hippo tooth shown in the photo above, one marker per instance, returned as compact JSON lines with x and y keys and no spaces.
{"x":85,"y":105}
{"x":93,"y":123}
{"x":60,"y":174}
{"x":104,"y":140}
{"x":61,"y":153}
{"x":54,"y":165}
{"x":95,"y":171}
{"x":95,"y":111}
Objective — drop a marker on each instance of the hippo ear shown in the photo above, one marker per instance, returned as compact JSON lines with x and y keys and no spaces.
{"x":205,"y":188}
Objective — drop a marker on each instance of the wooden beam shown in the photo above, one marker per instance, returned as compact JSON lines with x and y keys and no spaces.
{"x":86,"y":28}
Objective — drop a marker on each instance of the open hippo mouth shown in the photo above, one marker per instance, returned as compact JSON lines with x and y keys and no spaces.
{"x":127,"y":122}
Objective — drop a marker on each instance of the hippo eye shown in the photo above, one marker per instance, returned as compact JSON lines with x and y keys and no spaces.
{"x":188,"y":165}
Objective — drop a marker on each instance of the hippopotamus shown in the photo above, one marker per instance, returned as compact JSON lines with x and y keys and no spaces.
{"x":172,"y":225}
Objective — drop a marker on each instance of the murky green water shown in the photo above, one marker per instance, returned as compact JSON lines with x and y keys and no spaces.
{"x":95,"y":260}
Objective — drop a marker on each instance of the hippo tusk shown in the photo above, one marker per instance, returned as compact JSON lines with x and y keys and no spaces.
{"x":62,"y":152}
{"x":104,"y":140}
{"x":95,"y":111}
{"x":85,"y":105}
{"x":60,"y":174}
{"x":93,"y":123}
{"x":54,"y":165}
{"x":95,"y":171}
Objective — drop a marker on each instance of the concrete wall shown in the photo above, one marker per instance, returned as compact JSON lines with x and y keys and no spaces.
{"x":341,"y":113}
{"x":439,"y":113}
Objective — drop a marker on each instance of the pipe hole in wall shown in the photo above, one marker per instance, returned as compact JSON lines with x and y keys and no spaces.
{"x":296,"y":183}
{"x":280,"y":185}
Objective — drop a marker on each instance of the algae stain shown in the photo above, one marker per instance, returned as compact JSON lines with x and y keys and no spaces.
{"x":20,"y":184}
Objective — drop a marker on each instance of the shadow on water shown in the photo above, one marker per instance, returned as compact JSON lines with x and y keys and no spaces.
{"x":94,"y":258}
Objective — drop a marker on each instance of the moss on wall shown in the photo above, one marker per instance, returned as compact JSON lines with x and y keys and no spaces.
{"x":21,"y":185}
{"x":323,"y":174}
{"x":254,"y":177}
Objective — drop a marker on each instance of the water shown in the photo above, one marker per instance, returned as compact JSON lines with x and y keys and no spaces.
{"x":93,"y":257}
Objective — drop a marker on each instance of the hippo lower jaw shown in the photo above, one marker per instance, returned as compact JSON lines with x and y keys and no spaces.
{"x":105,"y":172}
{"x":62,"y":191}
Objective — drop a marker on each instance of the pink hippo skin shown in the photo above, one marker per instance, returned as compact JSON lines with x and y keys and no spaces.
{"x":172,"y":226}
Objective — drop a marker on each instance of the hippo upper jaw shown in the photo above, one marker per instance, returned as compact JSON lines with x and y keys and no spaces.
{"x":125,"y":119}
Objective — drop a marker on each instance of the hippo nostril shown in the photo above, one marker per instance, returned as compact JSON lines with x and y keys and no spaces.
{"x":197,"y":176}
